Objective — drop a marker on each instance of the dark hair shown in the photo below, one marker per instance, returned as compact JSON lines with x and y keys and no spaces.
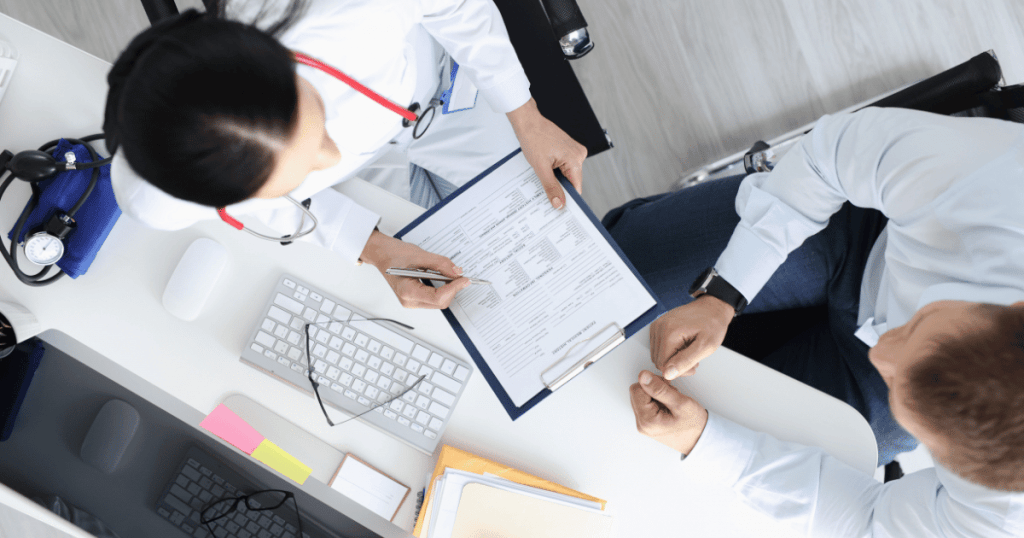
{"x":199,"y":104}
{"x":970,"y":391}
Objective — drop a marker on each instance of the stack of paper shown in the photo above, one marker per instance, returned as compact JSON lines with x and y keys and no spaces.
{"x":471,"y":497}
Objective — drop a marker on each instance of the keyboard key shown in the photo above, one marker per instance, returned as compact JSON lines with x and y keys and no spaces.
{"x":417,"y":428}
{"x":446,"y":382}
{"x":371,"y":376}
{"x":430,"y":434}
{"x":423,"y":418}
{"x":341,"y":313}
{"x":362,"y":355}
{"x":346,"y":379}
{"x":257,"y":348}
{"x":422,"y":402}
{"x":435,"y":360}
{"x":383,"y":396}
{"x":332,"y":357}
{"x":297,"y":324}
{"x":371,"y":392}
{"x":191,"y":473}
{"x":270,"y":355}
{"x":435,"y":424}
{"x":265,"y":339}
{"x":348,"y":349}
{"x":346,"y":364}
{"x":299,"y":296}
{"x":443,"y":396}
{"x":288,"y":303}
{"x":323,"y":336}
{"x":316,"y":296}
{"x":299,"y":368}
{"x":397,"y":388}
{"x":421,"y":353}
{"x":390,"y":414}
{"x":358,"y":370}
{"x":268,"y":325}
{"x":348,"y":334}
{"x":413,"y":367}
{"x":358,"y":385}
{"x":362,"y":340}
{"x":333,"y":373}
{"x":425,"y":372}
{"x":424,"y":387}
{"x":387,"y":368}
{"x":404,"y":421}
{"x":375,"y":362}
{"x":387,"y":336}
{"x":322,"y":320}
{"x":336,"y":342}
{"x":281,"y":347}
{"x":448,"y":367}
{"x":409,"y":397}
{"x":439,"y":409}
{"x":400,"y":359}
{"x":320,"y":366}
{"x":303,"y":290}
{"x":309,"y":315}
{"x":401,"y":375}
{"x":294,"y":338}
{"x":350,"y":394}
{"x":374,"y":346}
{"x":327,"y":306}
{"x":294,"y":354}
{"x":283,"y":361}
{"x":320,"y":351}
{"x":397,"y":405}
{"x":340,"y":389}
{"x":387,"y":353}
{"x":335,"y":327}
{"x":363,"y":401}
{"x":289,"y":284}
{"x":281,"y":331}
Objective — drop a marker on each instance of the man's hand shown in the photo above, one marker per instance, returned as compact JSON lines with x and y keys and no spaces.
{"x":383,"y":252}
{"x":687,"y":334}
{"x":665,"y":414}
{"x":547,"y":147}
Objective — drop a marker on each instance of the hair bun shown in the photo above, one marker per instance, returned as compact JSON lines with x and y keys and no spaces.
{"x":125,"y":65}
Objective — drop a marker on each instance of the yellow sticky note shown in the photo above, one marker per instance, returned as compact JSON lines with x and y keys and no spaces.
{"x":281,"y":461}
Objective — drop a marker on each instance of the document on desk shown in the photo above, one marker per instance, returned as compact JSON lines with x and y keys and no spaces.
{"x":559,"y":285}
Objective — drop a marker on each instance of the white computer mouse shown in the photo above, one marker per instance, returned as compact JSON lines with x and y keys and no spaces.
{"x":194,"y":278}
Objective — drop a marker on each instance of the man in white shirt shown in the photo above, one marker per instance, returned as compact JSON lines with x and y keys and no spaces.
{"x":942,"y":195}
{"x":954,"y":372}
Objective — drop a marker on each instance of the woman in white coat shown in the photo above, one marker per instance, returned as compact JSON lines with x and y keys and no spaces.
{"x":212,"y":117}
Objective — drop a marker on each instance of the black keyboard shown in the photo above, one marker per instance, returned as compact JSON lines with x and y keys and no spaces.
{"x":202,"y":479}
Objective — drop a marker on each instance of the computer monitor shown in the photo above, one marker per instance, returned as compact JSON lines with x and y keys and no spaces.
{"x":42,"y":457}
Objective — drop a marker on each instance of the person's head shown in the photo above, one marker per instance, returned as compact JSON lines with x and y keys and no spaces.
{"x":211,"y":111}
{"x":956,"y":382}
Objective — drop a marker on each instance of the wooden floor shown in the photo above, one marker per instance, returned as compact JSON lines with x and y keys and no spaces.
{"x":680,"y":83}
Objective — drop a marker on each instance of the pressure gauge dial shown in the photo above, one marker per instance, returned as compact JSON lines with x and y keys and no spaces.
{"x":42,"y":248}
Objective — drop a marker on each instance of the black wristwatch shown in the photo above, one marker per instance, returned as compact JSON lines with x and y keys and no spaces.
{"x":711,"y":283}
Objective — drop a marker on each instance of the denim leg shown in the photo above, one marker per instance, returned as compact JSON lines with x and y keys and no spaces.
{"x":671,"y":238}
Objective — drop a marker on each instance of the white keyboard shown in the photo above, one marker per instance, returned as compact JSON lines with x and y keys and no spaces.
{"x":359,"y":364}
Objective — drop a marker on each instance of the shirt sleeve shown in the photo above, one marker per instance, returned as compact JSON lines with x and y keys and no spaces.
{"x":893,"y":160}
{"x":473,"y":32}
{"x":814,"y":494}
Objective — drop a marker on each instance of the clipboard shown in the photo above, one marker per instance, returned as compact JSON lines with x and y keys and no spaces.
{"x":576,"y":359}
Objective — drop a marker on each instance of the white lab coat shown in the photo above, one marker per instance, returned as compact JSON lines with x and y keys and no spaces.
{"x":394,"y":47}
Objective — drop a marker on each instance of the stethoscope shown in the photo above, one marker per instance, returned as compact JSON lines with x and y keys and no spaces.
{"x":410,"y":118}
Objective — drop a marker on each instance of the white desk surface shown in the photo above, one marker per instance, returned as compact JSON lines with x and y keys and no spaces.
{"x":582,"y":436}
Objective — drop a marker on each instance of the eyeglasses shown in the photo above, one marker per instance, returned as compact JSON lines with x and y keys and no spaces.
{"x":268,"y":499}
{"x":310,"y":371}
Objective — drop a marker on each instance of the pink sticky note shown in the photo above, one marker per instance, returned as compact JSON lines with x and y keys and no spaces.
{"x":224,"y":423}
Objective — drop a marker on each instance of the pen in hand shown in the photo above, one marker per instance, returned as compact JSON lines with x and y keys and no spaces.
{"x":426,"y":274}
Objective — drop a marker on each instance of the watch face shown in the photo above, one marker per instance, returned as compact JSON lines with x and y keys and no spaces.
{"x":43,"y":249}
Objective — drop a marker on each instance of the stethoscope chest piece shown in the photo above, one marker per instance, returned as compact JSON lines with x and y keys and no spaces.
{"x":423,"y":121}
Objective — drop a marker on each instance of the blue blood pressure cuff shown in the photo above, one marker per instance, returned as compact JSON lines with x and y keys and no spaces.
{"x":95,"y":218}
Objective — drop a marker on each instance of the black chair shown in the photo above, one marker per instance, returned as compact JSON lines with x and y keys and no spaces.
{"x":538,"y":41}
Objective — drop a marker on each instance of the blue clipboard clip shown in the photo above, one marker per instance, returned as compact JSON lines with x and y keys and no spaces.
{"x":578,"y":358}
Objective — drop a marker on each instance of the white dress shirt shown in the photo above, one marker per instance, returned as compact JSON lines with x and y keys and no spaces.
{"x":390,"y":46}
{"x":819,"y":496}
{"x":952,"y":188}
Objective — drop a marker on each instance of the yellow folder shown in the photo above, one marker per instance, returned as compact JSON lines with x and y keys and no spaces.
{"x":486,"y":512}
{"x":454,"y":458}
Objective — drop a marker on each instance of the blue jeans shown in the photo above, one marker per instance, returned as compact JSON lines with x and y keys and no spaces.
{"x":802,"y":322}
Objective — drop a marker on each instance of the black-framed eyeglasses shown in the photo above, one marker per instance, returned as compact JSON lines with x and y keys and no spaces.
{"x":268,"y":499}
{"x":310,"y":371}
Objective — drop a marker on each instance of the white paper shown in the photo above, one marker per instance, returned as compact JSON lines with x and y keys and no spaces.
{"x":448,"y":494}
{"x":369,"y":487}
{"x":556,"y":280}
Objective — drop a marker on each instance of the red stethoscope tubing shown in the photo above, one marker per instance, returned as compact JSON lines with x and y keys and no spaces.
{"x":377,"y":98}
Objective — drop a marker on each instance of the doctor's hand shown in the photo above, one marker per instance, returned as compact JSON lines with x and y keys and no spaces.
{"x":547,"y":147}
{"x":383,"y":252}
{"x":687,"y":334}
{"x":665,"y":414}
